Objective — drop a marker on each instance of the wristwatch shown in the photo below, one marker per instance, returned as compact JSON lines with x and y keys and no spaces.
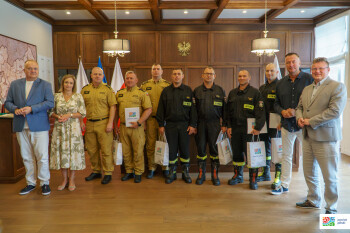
{"x":138,"y":123}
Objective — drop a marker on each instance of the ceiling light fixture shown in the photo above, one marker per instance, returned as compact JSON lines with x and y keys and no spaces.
{"x":185,"y":12}
{"x":265,"y":46}
{"x":68,"y":12}
{"x":244,"y":12}
{"x":302,"y":11}
{"x":127,"y":12}
{"x":116,"y":47}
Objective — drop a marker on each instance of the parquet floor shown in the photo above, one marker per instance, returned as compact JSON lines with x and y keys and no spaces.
{"x":153,"y":206}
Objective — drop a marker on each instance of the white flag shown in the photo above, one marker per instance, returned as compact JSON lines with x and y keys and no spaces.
{"x":117,"y":79}
{"x":277,"y":66}
{"x":82,"y":80}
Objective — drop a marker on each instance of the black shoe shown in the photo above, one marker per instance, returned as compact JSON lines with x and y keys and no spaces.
{"x":331,"y":212}
{"x":185,"y":173}
{"x":137,"y":179}
{"x":27,"y":190}
{"x":106,"y":179}
{"x":93,"y":176}
{"x":149,"y":175}
{"x":170,"y":178}
{"x":45,"y":189}
{"x":165,"y":173}
{"x":128,"y":176}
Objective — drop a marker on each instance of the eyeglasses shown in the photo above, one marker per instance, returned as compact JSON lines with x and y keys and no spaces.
{"x":209,"y":74}
{"x":320,"y":69}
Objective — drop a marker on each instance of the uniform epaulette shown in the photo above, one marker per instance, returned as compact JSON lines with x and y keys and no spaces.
{"x":120,"y":90}
{"x":141,"y":90}
{"x":85,"y":86}
{"x":109,"y":87}
{"x":144,"y":82}
{"x":166,"y":81}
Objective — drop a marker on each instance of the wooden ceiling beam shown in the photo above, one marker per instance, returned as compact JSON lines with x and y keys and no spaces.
{"x":125,"y":5}
{"x":187,"y":5}
{"x":46,"y":5}
{"x":18,"y":3}
{"x":318,"y":3}
{"x":254,"y":5}
{"x":100,"y":17}
{"x":41,"y":15}
{"x":183,"y":21}
{"x":155,"y":11}
{"x":215,"y":13}
{"x":329,"y":14}
{"x":273,"y":14}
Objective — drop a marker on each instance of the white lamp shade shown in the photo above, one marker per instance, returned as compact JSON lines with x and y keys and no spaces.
{"x":116,"y":46}
{"x":265,"y":44}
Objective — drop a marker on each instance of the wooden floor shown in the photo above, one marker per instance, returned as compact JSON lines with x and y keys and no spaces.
{"x":153,"y":206}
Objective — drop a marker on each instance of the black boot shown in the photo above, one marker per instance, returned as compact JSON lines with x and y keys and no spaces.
{"x":265,"y":176}
{"x":185,"y":173}
{"x":215,"y":173}
{"x":237,"y":177}
{"x":172,"y":174}
{"x":202,"y":169}
{"x":277,"y":181}
{"x":253,"y":173}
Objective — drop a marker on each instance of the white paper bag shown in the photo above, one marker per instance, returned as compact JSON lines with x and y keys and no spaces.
{"x":256,"y":154}
{"x":251,"y":124}
{"x":276,"y":150}
{"x":131,"y":115}
{"x":224,"y":149}
{"x":117,"y":152}
{"x":275,"y":120}
{"x":161,"y":152}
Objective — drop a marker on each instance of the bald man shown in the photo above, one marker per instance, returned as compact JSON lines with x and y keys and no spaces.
{"x":268,"y":93}
{"x":100,"y":105}
{"x":243,"y":102}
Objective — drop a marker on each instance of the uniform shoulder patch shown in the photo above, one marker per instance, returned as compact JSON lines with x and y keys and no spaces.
{"x":141,"y":90}
{"x":167,"y":81}
{"x":145,"y":82}
{"x":85,"y":86}
{"x":109,"y":87}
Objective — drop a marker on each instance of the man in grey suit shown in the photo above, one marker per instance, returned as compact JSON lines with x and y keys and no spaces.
{"x":29,"y":99}
{"x":318,"y":113}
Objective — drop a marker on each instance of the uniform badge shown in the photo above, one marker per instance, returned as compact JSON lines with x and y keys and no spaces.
{"x":261,"y":104}
{"x":86,"y":92}
{"x":148,"y":88}
{"x":217,"y":96}
{"x":250,"y":98}
{"x":187,"y":97}
{"x":273,"y":91}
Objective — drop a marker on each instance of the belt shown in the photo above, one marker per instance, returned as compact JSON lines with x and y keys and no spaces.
{"x":94,"y":120}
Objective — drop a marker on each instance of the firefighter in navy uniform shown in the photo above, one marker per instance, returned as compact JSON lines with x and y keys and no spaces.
{"x":176,"y":116}
{"x":242,"y":103}
{"x":154,"y":88}
{"x":210,"y":104}
{"x":268,"y":93}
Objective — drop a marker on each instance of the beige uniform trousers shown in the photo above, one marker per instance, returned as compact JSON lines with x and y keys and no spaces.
{"x":133,"y":142}
{"x":96,"y":140}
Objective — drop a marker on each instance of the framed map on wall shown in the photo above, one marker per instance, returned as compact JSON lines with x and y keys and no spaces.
{"x":13,"y":54}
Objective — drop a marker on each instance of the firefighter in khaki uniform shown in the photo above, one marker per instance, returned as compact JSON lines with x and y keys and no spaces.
{"x":100,"y":111}
{"x":154,"y":88}
{"x":133,"y":138}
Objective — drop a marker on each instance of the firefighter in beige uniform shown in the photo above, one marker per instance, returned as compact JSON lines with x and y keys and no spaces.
{"x":100,"y":111}
{"x":133,"y":138}
{"x":154,"y":88}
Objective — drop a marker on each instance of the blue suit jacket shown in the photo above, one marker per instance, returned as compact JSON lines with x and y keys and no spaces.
{"x":40,"y":99}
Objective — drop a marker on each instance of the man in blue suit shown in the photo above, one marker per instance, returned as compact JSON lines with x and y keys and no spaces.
{"x":29,"y":99}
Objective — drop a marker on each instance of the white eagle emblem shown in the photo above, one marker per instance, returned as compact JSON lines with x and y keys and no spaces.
{"x":184,"y":48}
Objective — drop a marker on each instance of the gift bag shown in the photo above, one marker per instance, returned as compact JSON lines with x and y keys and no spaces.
{"x":256,"y":154}
{"x":224,"y":149}
{"x":276,"y":150}
{"x":161,"y":152}
{"x":117,"y":152}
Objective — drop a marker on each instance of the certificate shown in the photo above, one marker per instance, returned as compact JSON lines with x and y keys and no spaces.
{"x":251,"y":124}
{"x":131,"y":115}
{"x":275,"y":119}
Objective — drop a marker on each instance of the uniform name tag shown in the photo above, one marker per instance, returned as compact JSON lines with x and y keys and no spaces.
{"x":120,"y":95}
{"x":217,"y":103}
{"x":148,"y":88}
{"x":271,"y":96}
{"x":185,"y":103}
{"x":248,"y":106}
{"x":86,"y":92}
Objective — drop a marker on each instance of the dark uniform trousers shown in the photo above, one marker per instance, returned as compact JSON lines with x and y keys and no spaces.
{"x":208,"y":132}
{"x":179,"y":141}
{"x":96,"y":139}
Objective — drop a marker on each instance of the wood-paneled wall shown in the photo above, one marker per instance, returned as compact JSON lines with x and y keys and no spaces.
{"x":227,"y":51}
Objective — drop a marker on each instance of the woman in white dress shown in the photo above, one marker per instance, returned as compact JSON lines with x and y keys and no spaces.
{"x":67,"y":146}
